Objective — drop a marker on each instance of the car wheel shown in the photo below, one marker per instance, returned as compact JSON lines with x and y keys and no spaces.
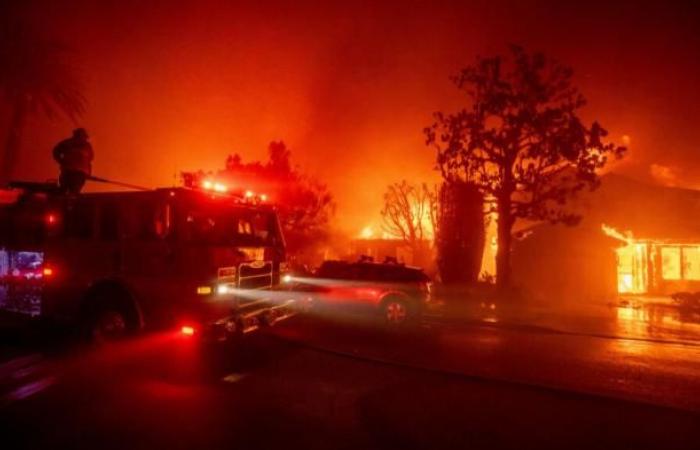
{"x":396,"y":312}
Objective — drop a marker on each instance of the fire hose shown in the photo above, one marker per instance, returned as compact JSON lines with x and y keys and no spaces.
{"x":117,"y":183}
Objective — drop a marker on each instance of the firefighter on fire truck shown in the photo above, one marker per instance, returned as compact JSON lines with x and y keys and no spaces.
{"x":200,"y":258}
{"x":74,"y":156}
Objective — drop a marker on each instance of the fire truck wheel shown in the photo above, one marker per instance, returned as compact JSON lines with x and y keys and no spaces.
{"x":108,"y":316}
{"x":396,"y":311}
{"x":109,"y":325}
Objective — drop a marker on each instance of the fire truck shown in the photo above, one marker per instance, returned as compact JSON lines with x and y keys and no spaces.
{"x":202,"y":260}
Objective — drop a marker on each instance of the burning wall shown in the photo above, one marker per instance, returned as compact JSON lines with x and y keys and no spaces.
{"x":649,"y":244}
{"x":659,"y":267}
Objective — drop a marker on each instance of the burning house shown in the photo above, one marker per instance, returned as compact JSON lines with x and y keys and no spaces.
{"x":635,"y":239}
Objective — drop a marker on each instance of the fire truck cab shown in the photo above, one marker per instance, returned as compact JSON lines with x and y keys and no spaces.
{"x":116,"y":262}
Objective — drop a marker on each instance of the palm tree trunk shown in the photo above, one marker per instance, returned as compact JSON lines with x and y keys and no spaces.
{"x":13,"y":142}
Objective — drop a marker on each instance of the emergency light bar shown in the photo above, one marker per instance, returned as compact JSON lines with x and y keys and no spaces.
{"x":220,"y":188}
{"x":214,"y":186}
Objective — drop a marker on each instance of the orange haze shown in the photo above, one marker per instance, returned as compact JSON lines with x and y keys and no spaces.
{"x":349,"y":87}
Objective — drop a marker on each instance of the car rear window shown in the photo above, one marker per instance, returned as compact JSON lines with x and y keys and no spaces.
{"x":397,"y":273}
{"x":336,"y":270}
{"x":371,"y":272}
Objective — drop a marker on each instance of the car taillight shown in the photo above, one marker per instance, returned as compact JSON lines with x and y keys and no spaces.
{"x":51,"y":218}
{"x":187,"y":330}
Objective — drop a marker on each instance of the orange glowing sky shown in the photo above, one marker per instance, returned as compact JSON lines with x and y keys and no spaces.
{"x":178,"y":85}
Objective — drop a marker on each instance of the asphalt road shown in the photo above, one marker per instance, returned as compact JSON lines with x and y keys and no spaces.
{"x":320,"y":383}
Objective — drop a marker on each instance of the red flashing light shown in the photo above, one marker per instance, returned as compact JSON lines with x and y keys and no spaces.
{"x":51,"y":219}
{"x":209,"y":185}
{"x":47,"y":271}
{"x":187,"y":330}
{"x":221,"y":188}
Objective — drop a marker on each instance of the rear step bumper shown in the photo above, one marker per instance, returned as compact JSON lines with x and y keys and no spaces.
{"x":249,"y":318}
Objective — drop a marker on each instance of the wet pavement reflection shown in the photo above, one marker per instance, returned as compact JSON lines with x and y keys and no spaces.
{"x":628,"y":318}
{"x":336,"y":376}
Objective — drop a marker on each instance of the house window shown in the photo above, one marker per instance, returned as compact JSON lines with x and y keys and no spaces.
{"x":691,"y":263}
{"x":671,"y":263}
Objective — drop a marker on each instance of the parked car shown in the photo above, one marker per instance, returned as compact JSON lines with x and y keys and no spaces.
{"x":393,"y":292}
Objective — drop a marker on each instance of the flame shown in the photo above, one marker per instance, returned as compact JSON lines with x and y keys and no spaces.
{"x":614,"y":233}
{"x":632,"y":262}
{"x":367,"y":233}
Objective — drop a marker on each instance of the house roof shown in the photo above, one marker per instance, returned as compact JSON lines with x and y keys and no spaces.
{"x":647,"y":211}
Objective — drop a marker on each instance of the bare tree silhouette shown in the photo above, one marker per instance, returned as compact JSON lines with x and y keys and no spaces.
{"x":406,"y":213}
{"x":36,"y":77}
{"x":409,"y":214}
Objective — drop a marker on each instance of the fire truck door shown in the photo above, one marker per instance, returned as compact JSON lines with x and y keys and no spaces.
{"x":148,"y":257}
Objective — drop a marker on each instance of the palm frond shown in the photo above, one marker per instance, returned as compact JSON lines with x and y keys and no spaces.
{"x":39,"y":71}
